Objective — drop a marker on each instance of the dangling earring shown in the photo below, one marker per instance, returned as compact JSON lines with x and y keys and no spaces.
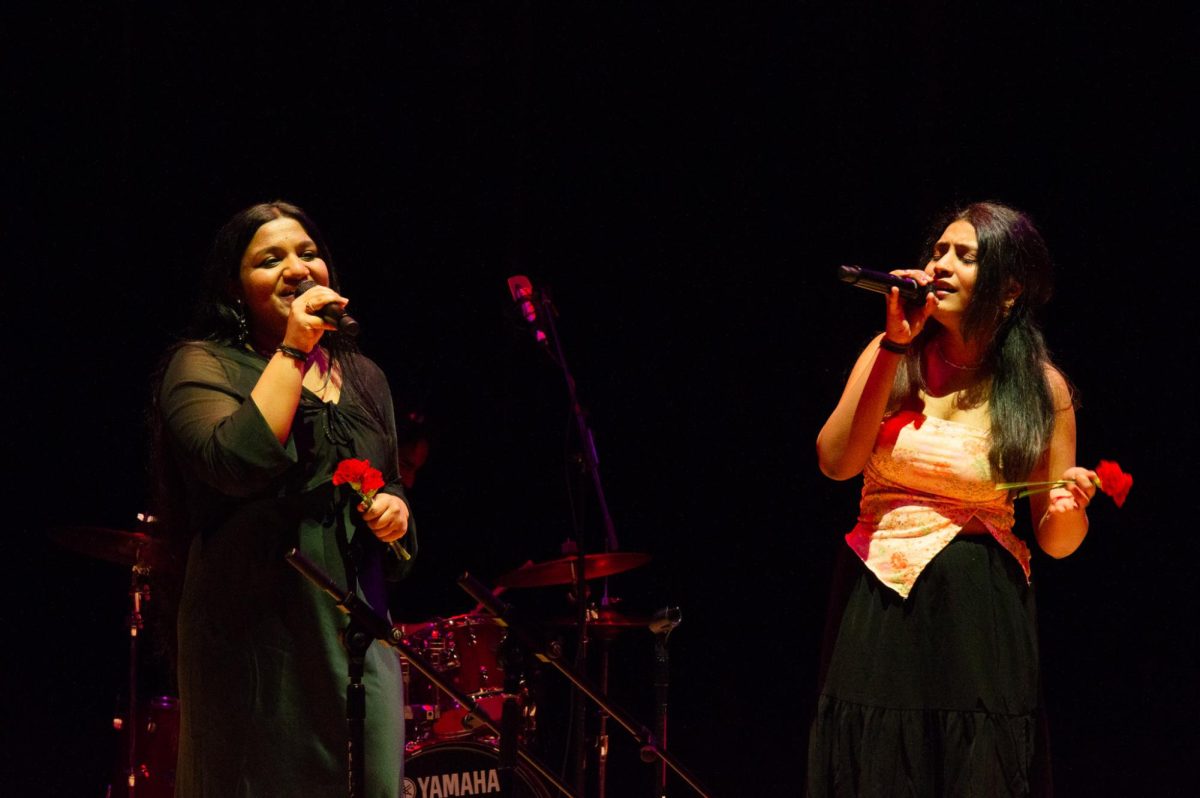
{"x":243,"y":331}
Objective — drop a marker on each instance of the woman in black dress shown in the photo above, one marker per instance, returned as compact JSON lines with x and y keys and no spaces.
{"x":254,"y":414}
{"x":930,"y":685}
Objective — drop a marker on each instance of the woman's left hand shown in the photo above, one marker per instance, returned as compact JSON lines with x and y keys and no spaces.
{"x":387,"y":516}
{"x":1077,"y":494}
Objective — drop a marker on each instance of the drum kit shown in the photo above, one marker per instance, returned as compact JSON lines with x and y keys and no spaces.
{"x":148,"y":727}
{"x":444,"y":738}
{"x":441,"y":735}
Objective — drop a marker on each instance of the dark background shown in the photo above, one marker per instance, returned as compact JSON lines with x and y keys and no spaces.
{"x":684,"y":179}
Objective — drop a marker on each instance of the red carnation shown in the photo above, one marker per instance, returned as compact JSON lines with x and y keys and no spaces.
{"x":351,"y":471}
{"x":1113,"y":481}
{"x":372,"y":481}
{"x":366,"y":482}
{"x":358,"y":474}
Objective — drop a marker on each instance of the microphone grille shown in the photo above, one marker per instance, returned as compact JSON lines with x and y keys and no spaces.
{"x":520,"y":287}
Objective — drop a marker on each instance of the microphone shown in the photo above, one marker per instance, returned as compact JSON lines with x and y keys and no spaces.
{"x":522,"y":294}
{"x":334,"y":314}
{"x":882,"y":282}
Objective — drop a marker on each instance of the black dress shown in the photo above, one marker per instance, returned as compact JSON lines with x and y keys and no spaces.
{"x":936,"y":695}
{"x":262,"y":672}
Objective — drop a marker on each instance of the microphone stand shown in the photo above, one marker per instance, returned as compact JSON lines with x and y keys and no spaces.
{"x":551,"y":653}
{"x":357,"y":640}
{"x":366,"y":624}
{"x":591,"y":463}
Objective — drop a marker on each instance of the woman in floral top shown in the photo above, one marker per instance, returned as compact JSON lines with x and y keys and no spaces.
{"x":930,"y":684}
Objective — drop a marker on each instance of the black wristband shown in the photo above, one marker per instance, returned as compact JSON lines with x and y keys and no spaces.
{"x":893,"y":347}
{"x":292,"y":352}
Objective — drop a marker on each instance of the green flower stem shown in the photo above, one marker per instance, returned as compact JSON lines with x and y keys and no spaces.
{"x":1054,"y":483}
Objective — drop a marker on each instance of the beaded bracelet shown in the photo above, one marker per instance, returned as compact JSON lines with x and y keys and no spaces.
{"x":292,"y":352}
{"x":893,"y":347}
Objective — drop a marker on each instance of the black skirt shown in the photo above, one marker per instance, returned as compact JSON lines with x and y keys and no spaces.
{"x":936,"y":695}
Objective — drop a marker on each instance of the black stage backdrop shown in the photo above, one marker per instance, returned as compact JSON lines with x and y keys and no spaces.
{"x":684,"y":179}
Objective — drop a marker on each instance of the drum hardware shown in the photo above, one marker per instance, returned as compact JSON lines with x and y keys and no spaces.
{"x":551,"y":653}
{"x":605,"y":621}
{"x":142,"y":553}
{"x":662,"y":624}
{"x":378,"y":628}
{"x":158,"y":744}
{"x":605,"y":624}
{"x":136,"y":549}
{"x":566,"y":570}
{"x":469,"y":651}
{"x":513,"y":658}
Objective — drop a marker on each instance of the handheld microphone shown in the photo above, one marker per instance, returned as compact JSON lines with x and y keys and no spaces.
{"x":334,"y":314}
{"x":522,"y":293}
{"x":882,"y":283}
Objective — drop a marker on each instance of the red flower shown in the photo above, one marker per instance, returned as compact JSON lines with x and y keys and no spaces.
{"x":366,"y":482}
{"x":351,"y":471}
{"x":362,"y":479}
{"x":372,"y":481}
{"x":1113,"y":481}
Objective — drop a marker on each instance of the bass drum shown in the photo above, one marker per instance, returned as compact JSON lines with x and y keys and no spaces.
{"x":445,"y":769}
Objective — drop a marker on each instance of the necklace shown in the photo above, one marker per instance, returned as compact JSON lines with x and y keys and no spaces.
{"x":941,"y":354}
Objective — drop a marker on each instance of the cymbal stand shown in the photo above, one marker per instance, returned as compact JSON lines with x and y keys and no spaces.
{"x":139,"y":592}
{"x":663,"y":623}
{"x":551,"y":653}
{"x":602,"y":732}
{"x":578,"y":734}
{"x":377,"y":627}
{"x":512,"y":659}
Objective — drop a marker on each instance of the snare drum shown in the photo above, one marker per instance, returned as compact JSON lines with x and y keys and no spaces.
{"x":466,"y":650}
{"x":465,"y":768}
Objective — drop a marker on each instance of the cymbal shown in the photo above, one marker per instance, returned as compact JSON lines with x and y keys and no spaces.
{"x":563,"y":571}
{"x":607,"y":618}
{"x":111,"y":545}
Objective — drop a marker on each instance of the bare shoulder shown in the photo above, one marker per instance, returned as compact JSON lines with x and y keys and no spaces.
{"x":1061,"y":391}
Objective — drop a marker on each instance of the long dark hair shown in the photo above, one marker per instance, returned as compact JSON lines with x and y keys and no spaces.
{"x":1012,"y":255}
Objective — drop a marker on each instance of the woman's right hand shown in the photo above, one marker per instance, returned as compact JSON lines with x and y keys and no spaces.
{"x":305,"y":326}
{"x":904,"y":320}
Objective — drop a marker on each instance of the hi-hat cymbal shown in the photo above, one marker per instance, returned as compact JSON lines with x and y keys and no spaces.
{"x":607,"y":618}
{"x":563,"y":571}
{"x":111,"y":545}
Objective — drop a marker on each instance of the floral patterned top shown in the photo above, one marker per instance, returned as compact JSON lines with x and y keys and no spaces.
{"x":927,"y":477}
